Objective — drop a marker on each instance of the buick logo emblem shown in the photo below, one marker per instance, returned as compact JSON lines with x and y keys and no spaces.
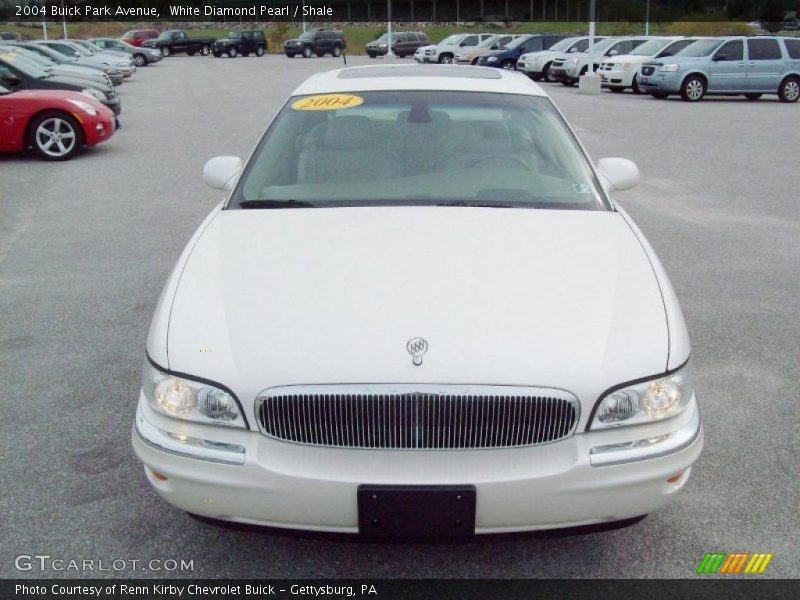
{"x":417,"y":347}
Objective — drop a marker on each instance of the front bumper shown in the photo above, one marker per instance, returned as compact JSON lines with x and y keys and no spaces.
{"x":115,"y":104}
{"x":425,"y":58}
{"x":661,"y":81}
{"x":617,"y":78}
{"x":562,"y":73}
{"x":247,"y":477}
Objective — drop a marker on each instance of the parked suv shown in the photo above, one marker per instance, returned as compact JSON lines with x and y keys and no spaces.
{"x":507,"y":56}
{"x":404,"y":43}
{"x":728,"y":66}
{"x":445,"y":51}
{"x":621,"y":72}
{"x":567,"y":68}
{"x":241,"y":42}
{"x":536,"y":65}
{"x":135,"y":37}
{"x":316,"y":41}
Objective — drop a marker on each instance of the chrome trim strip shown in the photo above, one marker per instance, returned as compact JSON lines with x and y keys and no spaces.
{"x":187,"y":446}
{"x":615,"y":454}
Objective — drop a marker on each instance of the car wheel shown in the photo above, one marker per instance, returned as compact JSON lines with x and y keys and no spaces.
{"x":337,"y":51}
{"x":56,"y":136}
{"x":165,"y":51}
{"x":217,"y":53}
{"x":139,"y":60}
{"x":693,"y":88}
{"x":635,"y":86}
{"x":752,"y":97}
{"x":509,"y":65}
{"x":260,"y":50}
{"x":789,"y":91}
{"x":446,"y":59}
{"x":546,"y":74}
{"x":232,"y":52}
{"x":205,"y":50}
{"x":307,"y":52}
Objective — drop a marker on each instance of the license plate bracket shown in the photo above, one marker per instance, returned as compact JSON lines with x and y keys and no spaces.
{"x":416,"y":511}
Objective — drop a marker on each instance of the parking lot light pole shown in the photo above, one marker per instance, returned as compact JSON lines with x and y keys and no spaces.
{"x":647,"y":19}
{"x":590,"y":82}
{"x":389,"y":53}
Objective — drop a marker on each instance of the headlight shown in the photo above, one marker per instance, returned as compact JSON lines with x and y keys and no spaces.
{"x":87,"y":108}
{"x":626,"y":66}
{"x":184,"y":398}
{"x":491,"y":59}
{"x":570,"y":62}
{"x":381,"y":45}
{"x":94,"y":93}
{"x":669,"y":68}
{"x":647,"y":401}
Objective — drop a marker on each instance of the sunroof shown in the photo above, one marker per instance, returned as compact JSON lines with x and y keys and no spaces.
{"x":456,"y":71}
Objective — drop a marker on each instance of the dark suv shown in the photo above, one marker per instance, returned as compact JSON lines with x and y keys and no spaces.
{"x":507,"y":56}
{"x":241,"y":42}
{"x":404,"y":43}
{"x":316,"y":41}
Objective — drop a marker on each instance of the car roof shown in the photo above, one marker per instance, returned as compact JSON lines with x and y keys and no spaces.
{"x":418,"y":77}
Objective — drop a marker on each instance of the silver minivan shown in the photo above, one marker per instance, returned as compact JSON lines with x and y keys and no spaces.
{"x":752,"y":66}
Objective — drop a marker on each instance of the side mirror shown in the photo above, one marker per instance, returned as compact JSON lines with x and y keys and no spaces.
{"x":618,"y":173}
{"x":221,"y":172}
{"x":571,"y":50}
{"x":612,"y":52}
{"x":721,"y":56}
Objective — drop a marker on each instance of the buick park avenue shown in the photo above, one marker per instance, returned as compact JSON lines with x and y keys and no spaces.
{"x":419,"y":311}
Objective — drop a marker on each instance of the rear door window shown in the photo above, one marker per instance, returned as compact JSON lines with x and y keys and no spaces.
{"x":793,"y":48}
{"x":763,"y":49}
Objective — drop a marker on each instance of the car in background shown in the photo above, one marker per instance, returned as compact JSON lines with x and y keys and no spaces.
{"x":141,"y":56}
{"x":14,"y":53}
{"x":469,"y":55}
{"x":135,"y":37}
{"x":622,"y":72}
{"x":125,"y":60}
{"x":567,"y":68}
{"x":507,"y":56}
{"x":16,"y":75}
{"x":790,"y":24}
{"x":445,"y":51}
{"x":9,"y":36}
{"x":404,"y":43}
{"x":536,"y":65}
{"x":176,"y":41}
{"x":124,"y":67}
{"x":56,"y":124}
{"x":728,"y":66}
{"x":384,"y":415}
{"x":113,"y":75}
{"x":318,"y":41}
{"x":251,"y":41}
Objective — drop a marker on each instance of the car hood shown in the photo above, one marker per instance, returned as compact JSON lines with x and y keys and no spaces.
{"x":78,"y":81}
{"x":628,"y":58}
{"x":564,"y":299}
{"x":682,"y":60}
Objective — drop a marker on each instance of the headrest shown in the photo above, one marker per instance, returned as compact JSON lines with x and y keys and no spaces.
{"x":348,"y":133}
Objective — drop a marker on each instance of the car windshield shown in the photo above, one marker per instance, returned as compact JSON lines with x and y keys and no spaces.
{"x":385,"y":37}
{"x":235,"y":35}
{"x":452,"y":40}
{"x":602,"y":46}
{"x":27,"y":67}
{"x":700,"y":48}
{"x":563,"y":45}
{"x":651,"y":47}
{"x":517,"y":42}
{"x":37,"y":59}
{"x":489,"y":41}
{"x":55,"y":56}
{"x":166,"y":35}
{"x":308,"y":35}
{"x":419,"y":148}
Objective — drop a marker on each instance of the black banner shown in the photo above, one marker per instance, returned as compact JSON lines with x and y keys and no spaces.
{"x":729,"y":588}
{"x":351,"y":11}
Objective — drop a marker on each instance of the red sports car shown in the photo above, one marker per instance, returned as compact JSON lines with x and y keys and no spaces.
{"x":56,"y":123}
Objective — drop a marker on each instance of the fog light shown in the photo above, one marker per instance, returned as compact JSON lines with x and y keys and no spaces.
{"x":158,"y":476}
{"x":677,"y":477}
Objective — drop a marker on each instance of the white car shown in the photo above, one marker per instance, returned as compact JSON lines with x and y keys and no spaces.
{"x":568,"y":67}
{"x":536,"y":65}
{"x":445,"y":51}
{"x":360,"y":339}
{"x":470,"y":55}
{"x":620,"y":72}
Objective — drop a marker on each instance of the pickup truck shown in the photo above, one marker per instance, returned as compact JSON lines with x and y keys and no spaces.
{"x":174,"y":41}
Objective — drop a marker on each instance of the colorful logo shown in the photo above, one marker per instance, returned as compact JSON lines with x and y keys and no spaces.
{"x":734,"y":563}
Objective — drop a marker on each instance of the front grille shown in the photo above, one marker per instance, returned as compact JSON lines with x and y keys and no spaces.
{"x":372,"y":417}
{"x":648,"y":70}
{"x":558,"y":63}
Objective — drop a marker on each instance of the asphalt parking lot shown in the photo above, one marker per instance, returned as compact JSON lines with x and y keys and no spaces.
{"x":86,"y":245}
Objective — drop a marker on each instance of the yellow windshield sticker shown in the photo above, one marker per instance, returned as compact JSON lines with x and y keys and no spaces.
{"x":327,"y":102}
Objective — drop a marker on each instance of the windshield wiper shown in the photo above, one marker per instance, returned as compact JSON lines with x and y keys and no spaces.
{"x":275,"y":204}
{"x":480,"y":204}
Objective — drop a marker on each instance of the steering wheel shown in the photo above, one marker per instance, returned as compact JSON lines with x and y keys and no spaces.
{"x":505,"y":157}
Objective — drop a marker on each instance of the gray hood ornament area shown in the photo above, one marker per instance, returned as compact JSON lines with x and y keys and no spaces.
{"x":417,"y":347}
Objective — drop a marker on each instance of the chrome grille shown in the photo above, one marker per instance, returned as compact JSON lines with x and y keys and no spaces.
{"x":649,"y":70}
{"x":415,"y":417}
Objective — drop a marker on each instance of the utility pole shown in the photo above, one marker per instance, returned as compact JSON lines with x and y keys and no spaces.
{"x":647,"y":20}
{"x":389,"y":52}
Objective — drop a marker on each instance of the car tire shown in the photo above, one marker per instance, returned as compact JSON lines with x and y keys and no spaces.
{"x":337,"y":51}
{"x":752,"y":97}
{"x":217,"y":53}
{"x":446,"y":59}
{"x":546,"y":74}
{"x":140,"y":60}
{"x":44,"y":129}
{"x":789,"y":90}
{"x":205,"y":50}
{"x":232,"y":52}
{"x":508,"y":65}
{"x":693,"y":88}
{"x":260,"y":51}
{"x":165,"y":51}
{"x":307,"y":52}
{"x":635,"y":86}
